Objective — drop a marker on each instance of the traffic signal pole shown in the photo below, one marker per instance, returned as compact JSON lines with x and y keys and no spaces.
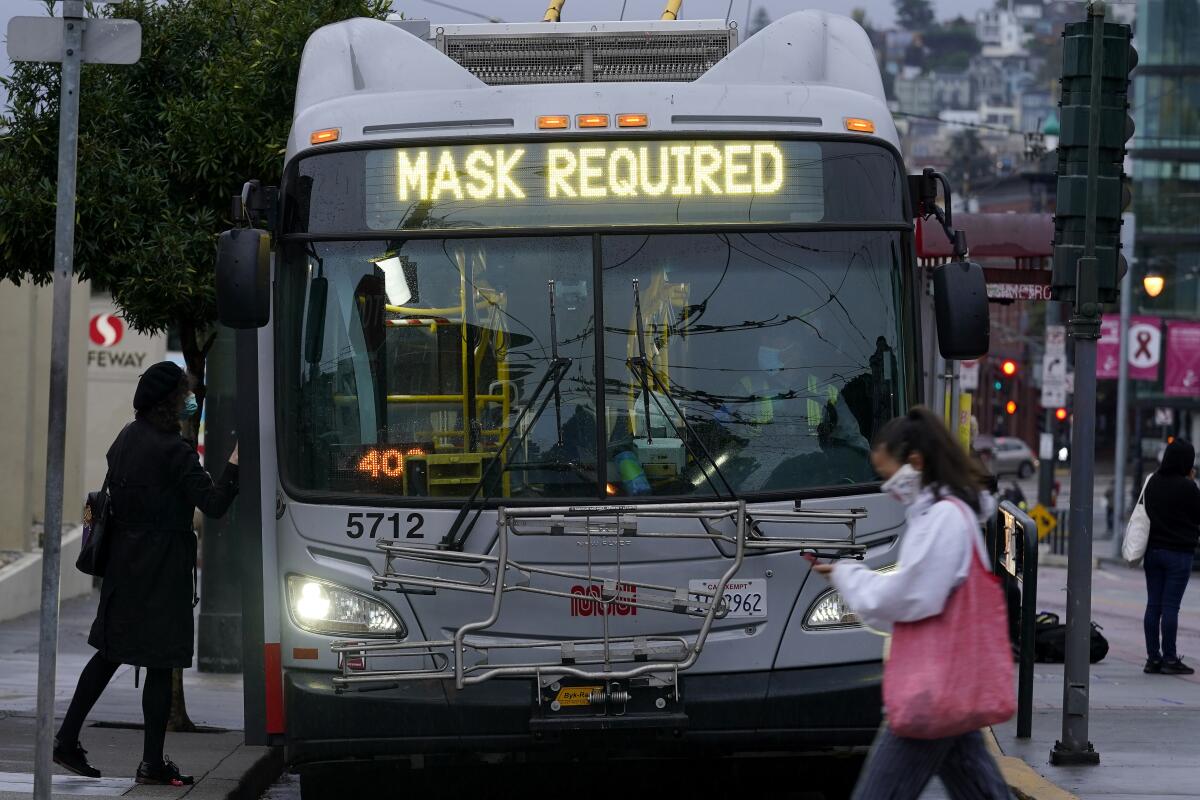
{"x":1074,"y":747}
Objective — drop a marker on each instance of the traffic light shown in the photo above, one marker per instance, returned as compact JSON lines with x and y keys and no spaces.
{"x":1008,"y":367}
{"x":1011,"y":407}
{"x":1060,"y":414}
{"x":1112,"y":193}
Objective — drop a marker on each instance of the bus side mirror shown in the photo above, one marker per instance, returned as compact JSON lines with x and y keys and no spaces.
{"x":244,"y":278}
{"x":961,"y":307}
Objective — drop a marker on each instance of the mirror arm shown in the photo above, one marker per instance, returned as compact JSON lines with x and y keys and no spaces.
{"x":256,"y":206}
{"x":945,"y":217}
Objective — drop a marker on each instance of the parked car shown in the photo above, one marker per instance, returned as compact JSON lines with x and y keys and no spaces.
{"x":1011,"y":456}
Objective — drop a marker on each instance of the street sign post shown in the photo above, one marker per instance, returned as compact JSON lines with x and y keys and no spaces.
{"x":65,"y":40}
{"x":105,"y":41}
{"x":968,"y":375}
{"x":1054,"y":367}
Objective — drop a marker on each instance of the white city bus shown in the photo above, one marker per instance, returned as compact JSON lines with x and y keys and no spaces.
{"x":572,"y":338}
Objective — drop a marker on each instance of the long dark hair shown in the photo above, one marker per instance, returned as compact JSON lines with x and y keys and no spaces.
{"x":165,"y":415}
{"x":947,"y":466}
{"x":1178,"y":459}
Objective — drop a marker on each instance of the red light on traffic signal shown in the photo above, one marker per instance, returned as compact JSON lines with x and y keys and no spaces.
{"x":1009,"y":368}
{"x":1011,"y":407}
{"x":1060,"y":414}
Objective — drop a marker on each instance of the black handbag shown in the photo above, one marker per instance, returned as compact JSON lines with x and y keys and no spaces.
{"x":97,"y":520}
{"x":1050,"y":638}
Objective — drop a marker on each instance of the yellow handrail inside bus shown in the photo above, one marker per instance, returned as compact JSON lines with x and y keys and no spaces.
{"x":671,"y":12}
{"x":554,"y":12}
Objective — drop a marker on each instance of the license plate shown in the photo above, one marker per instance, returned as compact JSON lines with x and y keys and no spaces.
{"x":744,"y":598}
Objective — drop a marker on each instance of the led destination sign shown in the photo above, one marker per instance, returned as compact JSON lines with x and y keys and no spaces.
{"x":585,"y":183}
{"x":596,"y":172}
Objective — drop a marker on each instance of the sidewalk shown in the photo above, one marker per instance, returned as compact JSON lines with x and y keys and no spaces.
{"x":224,"y":767}
{"x":1145,"y":727}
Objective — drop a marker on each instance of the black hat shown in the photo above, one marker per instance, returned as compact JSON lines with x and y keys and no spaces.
{"x":157,"y":384}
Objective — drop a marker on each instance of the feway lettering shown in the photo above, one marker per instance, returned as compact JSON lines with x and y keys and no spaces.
{"x":105,"y":359}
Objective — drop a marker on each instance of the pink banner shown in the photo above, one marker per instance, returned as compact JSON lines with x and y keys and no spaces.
{"x":1182,"y":377}
{"x":1144,"y":348}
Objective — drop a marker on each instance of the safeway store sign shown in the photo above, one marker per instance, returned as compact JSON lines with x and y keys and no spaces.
{"x":114,"y":351}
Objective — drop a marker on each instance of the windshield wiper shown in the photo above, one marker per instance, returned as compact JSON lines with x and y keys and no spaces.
{"x":639,"y":365}
{"x":553,"y":377}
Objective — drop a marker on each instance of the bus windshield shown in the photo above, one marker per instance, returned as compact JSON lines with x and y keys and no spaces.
{"x":771,"y":357}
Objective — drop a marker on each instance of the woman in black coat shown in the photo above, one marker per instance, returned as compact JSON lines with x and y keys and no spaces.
{"x":145,"y":614}
{"x":1173,"y":505}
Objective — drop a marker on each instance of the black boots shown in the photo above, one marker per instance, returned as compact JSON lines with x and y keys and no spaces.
{"x":164,"y":773}
{"x":74,"y":758}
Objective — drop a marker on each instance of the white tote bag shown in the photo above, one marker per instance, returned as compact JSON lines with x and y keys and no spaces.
{"x":1137,"y":532}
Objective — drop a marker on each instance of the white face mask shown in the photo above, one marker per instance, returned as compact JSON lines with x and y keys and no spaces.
{"x":904,"y":485}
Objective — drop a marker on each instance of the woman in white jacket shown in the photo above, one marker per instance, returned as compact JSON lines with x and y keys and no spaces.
{"x":923,"y":468}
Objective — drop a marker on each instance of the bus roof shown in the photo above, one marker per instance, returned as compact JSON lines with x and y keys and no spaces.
{"x":374,"y":81}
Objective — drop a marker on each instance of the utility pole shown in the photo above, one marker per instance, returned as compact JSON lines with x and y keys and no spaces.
{"x":71,"y":40}
{"x":1097,"y":59}
{"x":1121,"y":455}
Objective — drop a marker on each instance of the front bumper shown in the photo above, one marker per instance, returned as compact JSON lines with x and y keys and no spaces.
{"x":793,"y":710}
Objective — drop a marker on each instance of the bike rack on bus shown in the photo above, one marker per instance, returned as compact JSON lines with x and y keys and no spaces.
{"x":656,"y":659}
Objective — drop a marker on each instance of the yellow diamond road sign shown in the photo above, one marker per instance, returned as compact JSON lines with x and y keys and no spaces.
{"x":1045,"y":520}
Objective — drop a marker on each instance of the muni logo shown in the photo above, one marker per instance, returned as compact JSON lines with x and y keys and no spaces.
{"x":583,"y":604}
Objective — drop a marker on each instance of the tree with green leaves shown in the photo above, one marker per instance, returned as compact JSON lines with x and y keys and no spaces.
{"x":163,"y":145}
{"x":970,"y":162}
{"x":761,"y":20}
{"x":914,"y":15}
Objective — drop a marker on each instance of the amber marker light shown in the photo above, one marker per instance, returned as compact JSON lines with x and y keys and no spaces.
{"x":859,"y":125}
{"x":632,"y":121}
{"x":553,"y":122}
{"x":325,"y":135}
{"x":592,"y":120}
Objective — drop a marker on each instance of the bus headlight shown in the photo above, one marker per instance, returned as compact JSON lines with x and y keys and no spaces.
{"x":830,"y":611}
{"x":323,"y":607}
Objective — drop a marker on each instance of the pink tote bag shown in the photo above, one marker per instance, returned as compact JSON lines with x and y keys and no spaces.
{"x":952,"y":673}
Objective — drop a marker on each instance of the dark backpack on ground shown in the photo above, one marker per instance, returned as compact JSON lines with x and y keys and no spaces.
{"x":1050,"y":640}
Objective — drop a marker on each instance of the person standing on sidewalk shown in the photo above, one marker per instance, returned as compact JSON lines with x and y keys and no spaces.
{"x":925,"y":469}
{"x":1173,"y":505}
{"x":144,"y":618}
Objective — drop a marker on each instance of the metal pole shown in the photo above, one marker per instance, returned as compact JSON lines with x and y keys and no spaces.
{"x":64,"y":250}
{"x":1121,"y":453}
{"x":1074,"y":747}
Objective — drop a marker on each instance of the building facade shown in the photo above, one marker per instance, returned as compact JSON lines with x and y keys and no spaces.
{"x":1165,"y":167}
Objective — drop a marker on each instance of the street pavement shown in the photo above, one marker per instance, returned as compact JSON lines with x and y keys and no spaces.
{"x":224,"y":767}
{"x":1145,"y":727}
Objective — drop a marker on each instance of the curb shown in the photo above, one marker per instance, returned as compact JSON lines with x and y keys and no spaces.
{"x":1023,"y":779}
{"x":259,"y":776}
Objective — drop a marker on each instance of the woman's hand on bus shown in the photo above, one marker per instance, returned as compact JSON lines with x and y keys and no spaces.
{"x":820,"y":569}
{"x":233,"y":457}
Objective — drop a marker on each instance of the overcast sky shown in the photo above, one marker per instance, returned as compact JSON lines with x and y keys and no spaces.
{"x":879,"y":12}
